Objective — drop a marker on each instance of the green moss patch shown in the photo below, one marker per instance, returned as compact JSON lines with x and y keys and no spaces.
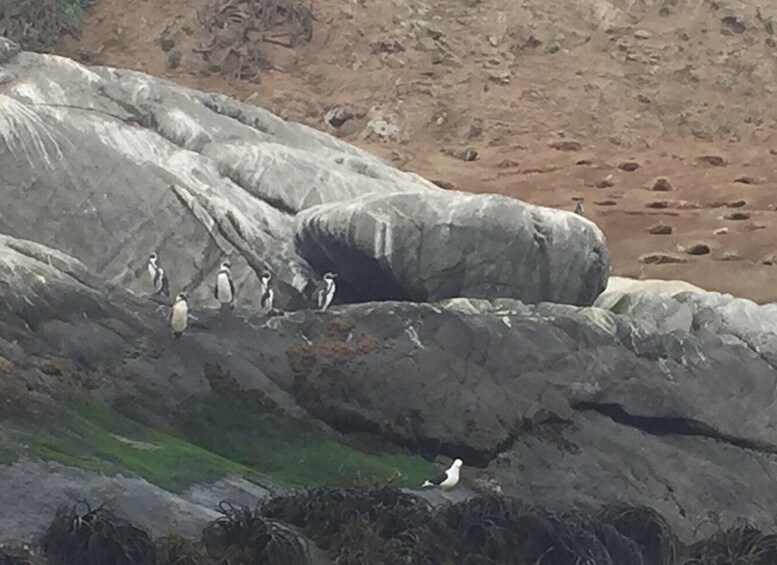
{"x":7,"y":455}
{"x":99,"y":439}
{"x":218,"y":437}
{"x":244,"y":431}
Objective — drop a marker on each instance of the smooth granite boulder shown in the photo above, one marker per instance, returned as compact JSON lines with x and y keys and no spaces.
{"x":435,"y":245}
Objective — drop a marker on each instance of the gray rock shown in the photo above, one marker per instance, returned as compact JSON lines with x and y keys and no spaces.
{"x":560,"y":405}
{"x":8,"y":50}
{"x":142,"y":165}
{"x":33,"y":490}
{"x":436,"y":245}
{"x":651,"y":312}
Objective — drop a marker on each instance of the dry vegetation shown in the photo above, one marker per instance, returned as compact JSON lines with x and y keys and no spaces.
{"x":383,"y":525}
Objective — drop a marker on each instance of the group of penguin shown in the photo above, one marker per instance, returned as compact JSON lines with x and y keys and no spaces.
{"x":224,"y":292}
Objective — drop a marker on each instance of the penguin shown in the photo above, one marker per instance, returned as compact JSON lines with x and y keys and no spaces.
{"x":267,"y":292}
{"x":179,"y":315}
{"x":325,"y":292}
{"x":158,"y":276}
{"x":224,"y":291}
{"x":579,"y":208}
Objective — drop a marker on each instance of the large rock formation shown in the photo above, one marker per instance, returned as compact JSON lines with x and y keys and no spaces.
{"x":434,"y":245}
{"x":557,"y":404}
{"x":127,"y":164}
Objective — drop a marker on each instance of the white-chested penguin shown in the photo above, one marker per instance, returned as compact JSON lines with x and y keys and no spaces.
{"x":325,"y":292}
{"x":179,"y":315}
{"x":267,"y":292}
{"x":224,"y":291}
{"x":158,"y":276}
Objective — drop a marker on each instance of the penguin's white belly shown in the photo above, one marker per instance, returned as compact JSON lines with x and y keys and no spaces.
{"x":329,"y":294}
{"x":180,"y":317}
{"x":267,"y":296}
{"x":225,"y":291}
{"x":151,"y":272}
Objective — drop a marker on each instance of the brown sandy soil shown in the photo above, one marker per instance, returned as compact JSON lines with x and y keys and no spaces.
{"x":661,"y":83}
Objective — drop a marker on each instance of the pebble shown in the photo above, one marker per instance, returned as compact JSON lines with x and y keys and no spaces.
{"x":714,"y":160}
{"x":661,"y":258}
{"x":662,"y":184}
{"x":737,"y":216}
{"x":698,"y":249}
{"x":660,"y":229}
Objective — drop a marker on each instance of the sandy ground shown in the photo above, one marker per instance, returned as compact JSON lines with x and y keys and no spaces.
{"x":556,"y":99}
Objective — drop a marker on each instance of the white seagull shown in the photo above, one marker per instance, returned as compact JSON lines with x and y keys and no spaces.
{"x":224,"y":291}
{"x":447,"y":480}
{"x":325,"y":291}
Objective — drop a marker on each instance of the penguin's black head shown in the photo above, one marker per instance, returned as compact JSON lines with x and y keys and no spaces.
{"x":266,"y":276}
{"x":183,"y":295}
{"x":330,"y":276}
{"x":152,"y":257}
{"x":226,"y":264}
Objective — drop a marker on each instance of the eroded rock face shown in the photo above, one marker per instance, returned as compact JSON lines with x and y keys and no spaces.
{"x":558,"y":404}
{"x":128,"y":164}
{"x":118,"y":164}
{"x":435,"y":245}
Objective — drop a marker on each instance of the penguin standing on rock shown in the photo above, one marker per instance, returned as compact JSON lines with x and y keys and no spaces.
{"x":224,"y":291}
{"x":179,"y":315}
{"x":579,"y":208}
{"x":267,"y":292}
{"x":325,"y":292}
{"x":158,"y":276}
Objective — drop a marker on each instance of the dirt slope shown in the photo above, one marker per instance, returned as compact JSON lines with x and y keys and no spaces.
{"x":552,"y":96}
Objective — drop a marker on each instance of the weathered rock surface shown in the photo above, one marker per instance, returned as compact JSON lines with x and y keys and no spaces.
{"x":44,"y":486}
{"x":436,"y":245}
{"x":558,"y":404}
{"x":127,"y":164}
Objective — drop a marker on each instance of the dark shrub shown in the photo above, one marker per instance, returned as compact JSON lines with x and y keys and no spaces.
{"x":94,"y":537}
{"x":241,"y":535}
